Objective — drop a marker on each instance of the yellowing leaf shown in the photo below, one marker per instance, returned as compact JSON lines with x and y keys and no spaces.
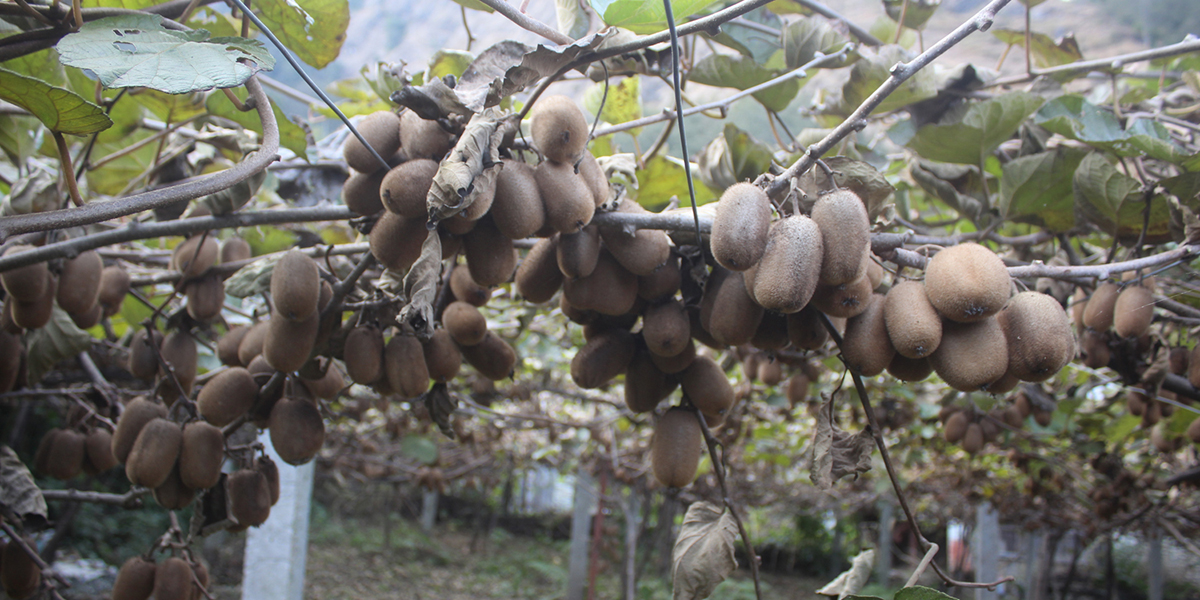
{"x":313,"y":30}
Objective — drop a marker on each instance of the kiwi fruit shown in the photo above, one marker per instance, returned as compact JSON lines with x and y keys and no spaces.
{"x":1193,"y":371}
{"x":28,"y":283}
{"x":1005,"y":384}
{"x":404,"y":365}
{"x":491,"y":258}
{"x":1038,"y":334}
{"x":865,"y":346}
{"x":666,"y":328}
{"x":98,"y":446}
{"x":442,"y":357}
{"x":235,"y":249}
{"x":361,"y":192}
{"x":608,"y":290}
{"x":363,"y":354}
{"x":405,"y":187}
{"x":913,"y":325}
{"x":643,"y":251}
{"x":602,"y":358}
{"x":956,"y":426}
{"x":772,"y":333}
{"x":466,"y":289}
{"x":249,"y":497}
{"x":19,"y":573}
{"x":494,"y":358}
{"x":664,"y":281}
{"x":137,"y":414}
{"x":173,"y":580}
{"x":645,"y":384}
{"x":297,"y":430}
{"x":1133,"y":311}
{"x":805,"y":329}
{"x":380,"y":129}
{"x":270,"y":470}
{"x":676,"y":448}
{"x":173,"y":494}
{"x":577,"y":253}
{"x":675,"y":364}
{"x":786,"y":277}
{"x":199,"y":580}
{"x":396,"y":241}
{"x":195,"y":255}
{"x":750,"y":364}
{"x":288,"y":343}
{"x":252,"y":343}
{"x":517,"y":207}
{"x":114,"y":285}
{"x":971,"y":355}
{"x":227,"y":345}
{"x":1193,"y":431}
{"x":79,"y":283}
{"x":909,"y":369}
{"x":65,"y":456}
{"x":457,"y":225}
{"x":10,"y":360}
{"x":967,"y":282}
{"x":295,"y":286}
{"x":705,"y":384}
{"x":558,"y":128}
{"x":178,"y":350}
{"x":770,"y":372}
{"x":727,"y":311}
{"x":568,"y":201}
{"x":154,"y":453}
{"x":35,"y":314}
{"x":143,"y":357}
{"x":328,"y":385}
{"x":1094,"y":350}
{"x":423,"y":138}
{"x":41,"y":459}
{"x":845,"y":300}
{"x":595,"y":178}
{"x":739,"y":229}
{"x":1177,"y":360}
{"x":846,"y":235}
{"x":538,"y":276}
{"x":797,"y":389}
{"x":973,"y":438}
{"x":89,"y":319}
{"x":205,"y":297}
{"x":135,"y":580}
{"x":875,"y":272}
{"x":465,"y":323}
{"x":201,"y":455}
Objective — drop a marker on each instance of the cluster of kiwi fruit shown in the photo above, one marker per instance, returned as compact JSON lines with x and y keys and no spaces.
{"x":973,"y":429}
{"x":84,"y":448}
{"x":194,"y":259}
{"x":1112,"y":312}
{"x":175,"y":578}
{"x":20,"y":575}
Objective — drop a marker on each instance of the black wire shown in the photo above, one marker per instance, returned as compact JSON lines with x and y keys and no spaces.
{"x":687,"y":162}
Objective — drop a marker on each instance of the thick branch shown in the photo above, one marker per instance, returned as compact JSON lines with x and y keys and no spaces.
{"x":527,"y":23}
{"x":130,"y":499}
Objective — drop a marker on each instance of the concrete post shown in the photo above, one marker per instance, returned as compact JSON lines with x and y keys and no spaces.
{"x":581,"y":530}
{"x":883,"y":547}
{"x":986,"y":549}
{"x":429,"y":508}
{"x":1154,"y":564}
{"x":277,"y":550}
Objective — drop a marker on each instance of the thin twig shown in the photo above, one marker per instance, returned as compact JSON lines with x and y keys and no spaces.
{"x":1112,"y":62}
{"x":863,"y":35}
{"x":32,"y":552}
{"x":527,"y":23}
{"x":924,"y":564}
{"x":68,"y":170}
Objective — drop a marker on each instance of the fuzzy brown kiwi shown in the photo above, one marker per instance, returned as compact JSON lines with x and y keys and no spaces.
{"x":404,"y":188}
{"x":845,"y":300}
{"x":909,"y":369}
{"x":971,"y":355}
{"x":664,"y":281}
{"x":558,"y":128}
{"x":381,"y":129}
{"x":10,"y":360}
{"x":361,"y":192}
{"x":1177,"y":360}
{"x":404,"y":365}
{"x":363,"y":354}
{"x":1007,"y":383}
{"x":1193,"y":371}
{"x":739,"y":229}
{"x":143,"y":357}
{"x":913,"y":325}
{"x":288,"y":343}
{"x":270,"y":470}
{"x":805,"y":330}
{"x":1038,"y":334}
{"x":645,"y":384}
{"x":195,"y":255}
{"x":114,"y":285}
{"x":19,"y":573}
{"x":465,"y":288}
{"x":135,"y":580}
{"x":666,"y":328}
{"x":1193,"y":431}
{"x":98,"y":447}
{"x":27,"y":283}
{"x":602,"y":358}
{"x":137,"y":414}
{"x":705,"y":384}
{"x":865,"y":346}
{"x":1133,"y":311}
{"x":89,"y":319}
{"x":727,"y":312}
{"x":517,"y":207}
{"x":295,"y":286}
{"x":1094,"y":350}
{"x":772,"y":333}
{"x":179,"y":351}
{"x":567,"y":199}
{"x":66,"y":454}
{"x":79,"y":283}
{"x":41,"y":459}
{"x":154,"y":453}
{"x":201,"y":455}
{"x":328,"y":385}
{"x":235,"y":249}
{"x":609,"y":290}
{"x":967,"y":282}
{"x":797,"y":389}
{"x":491,"y":257}
{"x":297,"y":430}
{"x":252,"y":343}
{"x":846,"y":235}
{"x":249,"y":497}
{"x":465,"y":323}
{"x":494,"y":358}
{"x":396,"y":241}
{"x":205,"y":297}
{"x":642,"y":252}
{"x":173,"y":494}
{"x":596,"y":180}
{"x":770,"y":372}
{"x":676,"y":448}
{"x":442,"y":357}
{"x":35,"y":314}
{"x":422,"y":138}
{"x":227,"y":345}
{"x":786,"y":277}
{"x":675,"y":364}
{"x":577,"y":253}
{"x":973,"y":438}
{"x":956,"y":426}
{"x":538,"y":277}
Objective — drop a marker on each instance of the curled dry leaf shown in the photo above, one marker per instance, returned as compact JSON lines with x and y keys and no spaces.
{"x":472,"y":166}
{"x":420,"y":287}
{"x":838,"y":453}
{"x":441,"y":404}
{"x":18,"y":493}
{"x":852,"y":580}
{"x":703,"y":554}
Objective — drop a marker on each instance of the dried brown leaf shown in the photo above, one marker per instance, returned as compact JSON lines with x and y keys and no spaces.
{"x":852,"y":580}
{"x":703,"y":554}
{"x":472,"y":167}
{"x":420,"y":287}
{"x":18,"y":492}
{"x":837,"y":453}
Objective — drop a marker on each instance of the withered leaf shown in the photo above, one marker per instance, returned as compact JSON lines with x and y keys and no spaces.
{"x":18,"y":492}
{"x":852,"y":580}
{"x":420,"y":287}
{"x":703,"y":554}
{"x":441,"y":404}
{"x":471,"y":169}
{"x":838,"y":453}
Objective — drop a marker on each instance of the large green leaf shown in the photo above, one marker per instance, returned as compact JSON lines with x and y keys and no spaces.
{"x":1040,"y":187}
{"x":740,"y":72}
{"x":1076,"y":118}
{"x":918,"y":592}
{"x":137,"y":51}
{"x":291,"y":136}
{"x":984,"y":126}
{"x":448,"y":62}
{"x":57,"y":341}
{"x":1113,"y":202}
{"x":170,"y":108}
{"x":111,"y":178}
{"x":1186,"y":187}
{"x":803,"y":39}
{"x":43,"y":64}
{"x":1045,"y":51}
{"x":59,"y":109}
{"x":313,"y":30}
{"x":733,"y":157}
{"x":622,"y":103}
{"x":752,"y":41}
{"x":646,"y":16}
{"x":664,"y":177}
{"x":19,"y":137}
{"x":914,"y":13}
{"x":874,"y":68}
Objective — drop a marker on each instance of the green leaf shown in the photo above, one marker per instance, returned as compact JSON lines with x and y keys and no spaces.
{"x":137,"y":51}
{"x":803,"y":39}
{"x":885,"y":29}
{"x":313,"y":30}
{"x":19,"y":137}
{"x":1186,"y":187}
{"x":475,"y":5}
{"x":170,"y":108}
{"x":751,"y":41}
{"x":917,"y":592}
{"x":573,"y":21}
{"x":1112,"y":200}
{"x":419,"y":448}
{"x":664,"y":177}
{"x":740,"y":72}
{"x":623,"y":103}
{"x":1119,"y":429}
{"x":1040,"y":187}
{"x":360,"y":98}
{"x":1076,"y":118}
{"x":218,"y":24}
{"x":59,"y":109}
{"x":448,"y":62}
{"x":111,"y":178}
{"x":292,"y":136}
{"x":733,"y":157}
{"x":871,"y":71}
{"x":384,"y":78}
{"x":57,"y":341}
{"x":43,"y":64}
{"x":646,"y":16}
{"x":788,"y":7}
{"x":1180,"y":421}
{"x":129,"y":4}
{"x":984,"y":126}
{"x":915,"y":14}
{"x":1044,"y":50}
